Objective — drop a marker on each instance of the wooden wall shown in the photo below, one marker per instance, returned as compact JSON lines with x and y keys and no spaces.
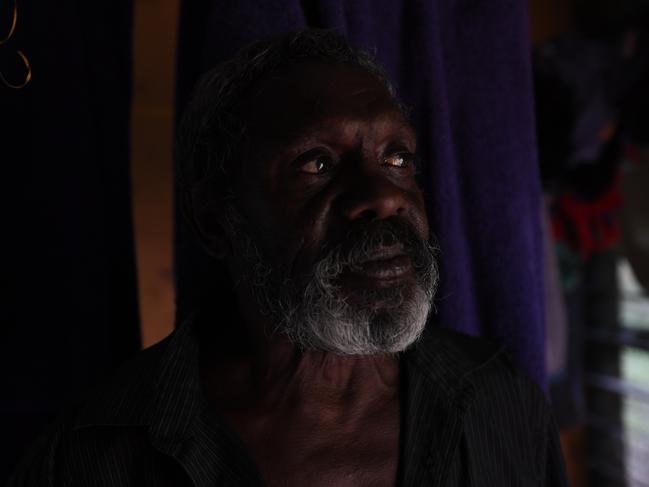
{"x":154,"y":39}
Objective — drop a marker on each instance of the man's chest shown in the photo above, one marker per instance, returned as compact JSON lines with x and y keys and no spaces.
{"x":297,"y":450}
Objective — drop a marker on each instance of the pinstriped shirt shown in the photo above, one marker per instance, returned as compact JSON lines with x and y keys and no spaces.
{"x":469,"y":418}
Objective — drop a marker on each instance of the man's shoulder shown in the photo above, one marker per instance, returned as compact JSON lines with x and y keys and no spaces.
{"x":507,"y":424}
{"x":109,"y":420}
{"x":475,"y":350}
{"x":445,"y":352}
{"x":479,"y":364}
{"x":124,"y":397}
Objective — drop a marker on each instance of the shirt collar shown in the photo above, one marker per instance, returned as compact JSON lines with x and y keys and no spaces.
{"x":448,"y":360}
{"x":439,"y":390}
{"x":160,"y":389}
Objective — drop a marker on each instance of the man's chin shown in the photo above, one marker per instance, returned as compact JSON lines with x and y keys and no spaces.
{"x":362,"y":322}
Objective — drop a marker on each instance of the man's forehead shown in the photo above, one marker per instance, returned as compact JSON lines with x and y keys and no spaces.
{"x":314,"y":97}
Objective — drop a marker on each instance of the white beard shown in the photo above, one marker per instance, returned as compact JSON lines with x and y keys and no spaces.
{"x":317,"y":317}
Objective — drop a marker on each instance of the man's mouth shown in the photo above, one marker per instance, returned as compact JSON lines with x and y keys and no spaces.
{"x":384,"y":268}
{"x":385,"y":263}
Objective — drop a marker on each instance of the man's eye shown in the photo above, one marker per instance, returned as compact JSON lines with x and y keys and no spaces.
{"x":315,"y":166}
{"x":401,"y":159}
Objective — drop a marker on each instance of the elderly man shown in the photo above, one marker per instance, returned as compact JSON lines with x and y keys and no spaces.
{"x":297,"y":169}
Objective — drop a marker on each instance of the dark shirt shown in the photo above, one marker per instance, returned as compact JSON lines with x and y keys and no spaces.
{"x":469,"y":418}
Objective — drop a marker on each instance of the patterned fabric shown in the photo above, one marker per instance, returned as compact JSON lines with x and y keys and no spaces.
{"x":470,"y":419}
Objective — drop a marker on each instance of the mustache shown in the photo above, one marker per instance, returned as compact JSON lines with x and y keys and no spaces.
{"x":364,"y":242}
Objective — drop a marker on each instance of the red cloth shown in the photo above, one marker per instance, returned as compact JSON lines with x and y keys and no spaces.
{"x":588,"y":227}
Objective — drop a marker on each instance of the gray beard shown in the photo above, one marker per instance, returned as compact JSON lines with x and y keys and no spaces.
{"x":314,"y":314}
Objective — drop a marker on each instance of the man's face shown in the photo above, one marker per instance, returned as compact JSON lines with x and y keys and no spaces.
{"x":328,"y":223}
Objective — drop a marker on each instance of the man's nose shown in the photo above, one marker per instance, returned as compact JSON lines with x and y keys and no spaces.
{"x":373,"y":196}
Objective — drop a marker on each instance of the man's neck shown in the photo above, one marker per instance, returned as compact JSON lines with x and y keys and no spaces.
{"x":308,"y":417}
{"x":276,"y":371}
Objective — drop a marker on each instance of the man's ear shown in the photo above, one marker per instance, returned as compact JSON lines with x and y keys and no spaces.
{"x":209,"y":231}
{"x":214,"y":240}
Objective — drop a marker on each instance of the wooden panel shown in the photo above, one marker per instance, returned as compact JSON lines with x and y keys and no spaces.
{"x":549,"y":18}
{"x":154,"y":39}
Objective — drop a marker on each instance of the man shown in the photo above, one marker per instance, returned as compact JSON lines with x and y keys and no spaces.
{"x":298,"y":171}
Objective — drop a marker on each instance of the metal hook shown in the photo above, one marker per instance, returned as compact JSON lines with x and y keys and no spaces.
{"x":14,"y":21}
{"x":28,"y":77}
{"x":24,"y":59}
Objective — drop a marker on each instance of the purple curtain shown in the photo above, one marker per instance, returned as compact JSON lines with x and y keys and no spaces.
{"x":464,"y":68}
